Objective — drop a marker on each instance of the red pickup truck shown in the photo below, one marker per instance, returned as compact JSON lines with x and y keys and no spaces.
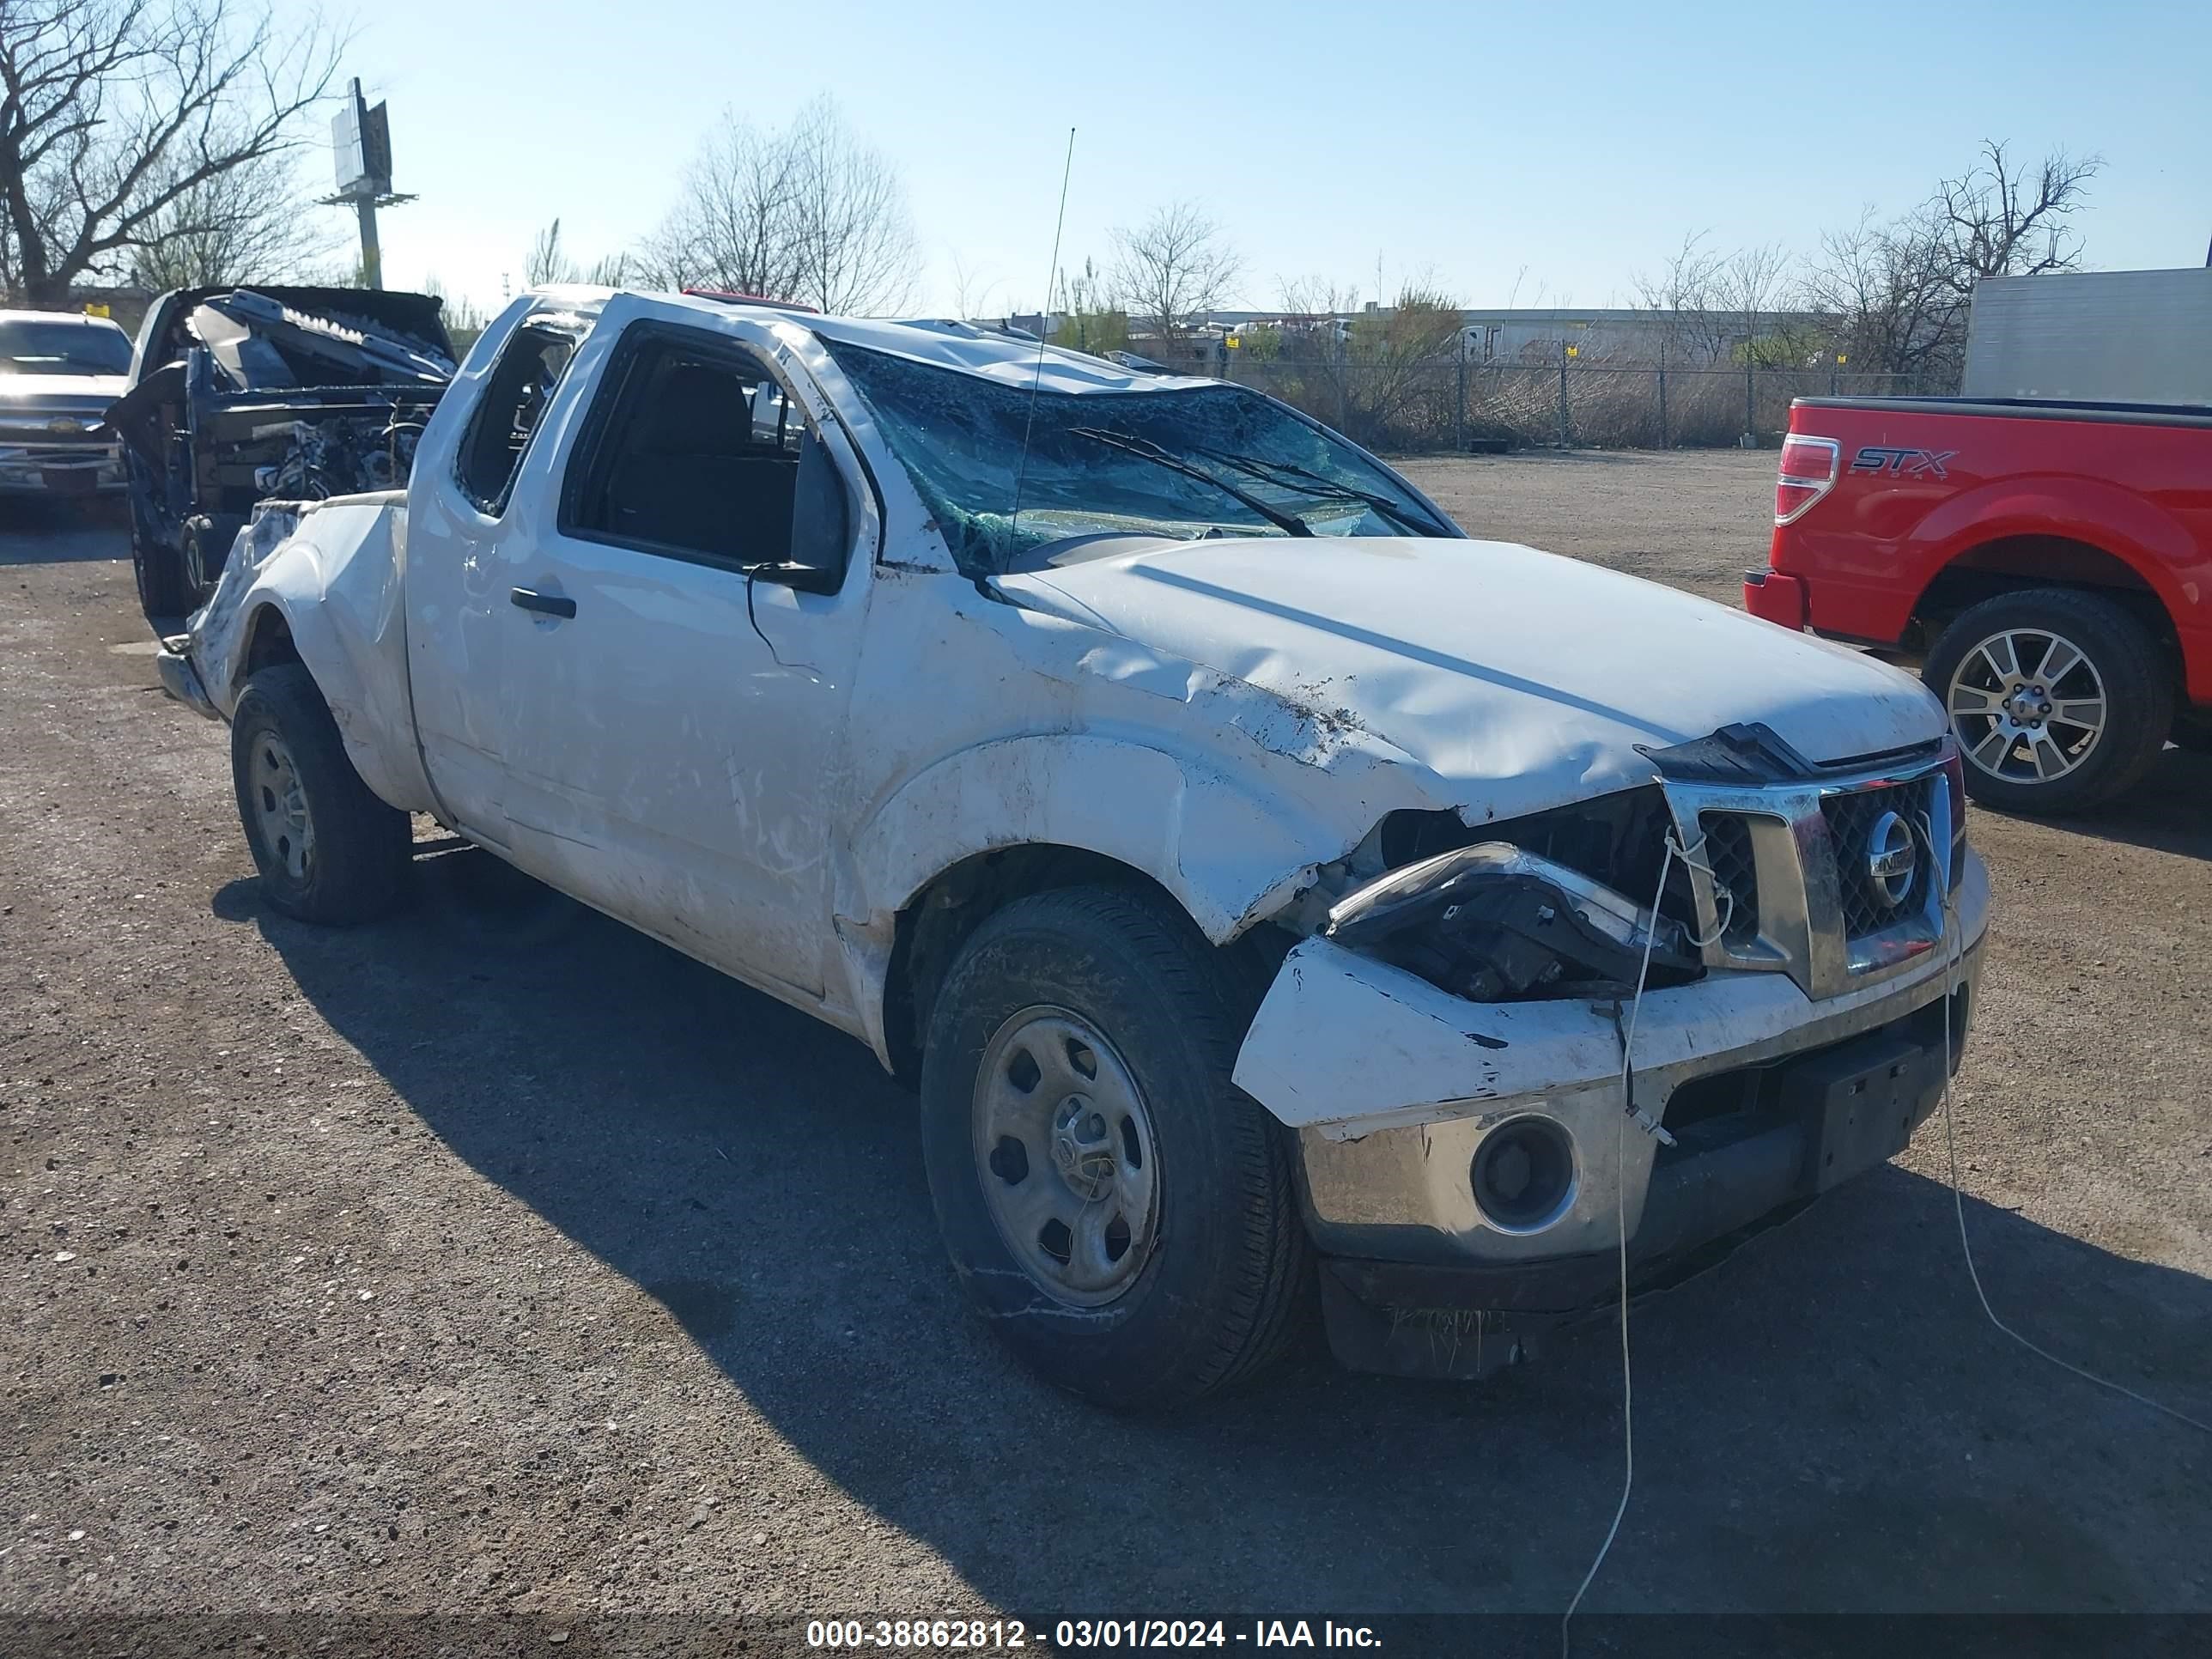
{"x":2050,"y":564}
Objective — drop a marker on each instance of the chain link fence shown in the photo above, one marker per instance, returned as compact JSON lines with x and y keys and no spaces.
{"x":1439,"y":403}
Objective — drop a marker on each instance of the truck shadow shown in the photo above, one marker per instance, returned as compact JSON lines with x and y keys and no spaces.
{"x":34,"y":532}
{"x":2169,"y":812}
{"x":1827,"y":1421}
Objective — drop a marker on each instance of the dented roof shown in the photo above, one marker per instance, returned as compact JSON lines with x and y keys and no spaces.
{"x":1004,"y":357}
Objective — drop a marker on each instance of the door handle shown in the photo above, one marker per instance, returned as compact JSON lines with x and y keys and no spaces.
{"x":546,"y":605}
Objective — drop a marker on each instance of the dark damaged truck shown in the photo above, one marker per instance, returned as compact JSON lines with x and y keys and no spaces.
{"x":239,"y":395}
{"x":1275,"y":895}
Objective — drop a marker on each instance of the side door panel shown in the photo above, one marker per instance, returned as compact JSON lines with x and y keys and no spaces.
{"x":464,"y":525}
{"x":670,"y":748}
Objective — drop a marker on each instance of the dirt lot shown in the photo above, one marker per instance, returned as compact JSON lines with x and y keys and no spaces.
{"x":497,"y":1259}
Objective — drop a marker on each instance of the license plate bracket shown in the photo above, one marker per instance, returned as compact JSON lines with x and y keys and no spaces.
{"x":1860,"y":1103}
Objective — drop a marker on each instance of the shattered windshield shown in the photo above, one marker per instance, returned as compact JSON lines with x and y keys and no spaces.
{"x":1212,"y":461}
{"x":34,"y":348}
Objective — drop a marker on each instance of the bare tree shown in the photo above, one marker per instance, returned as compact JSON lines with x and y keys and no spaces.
{"x":1316,"y":297}
{"x":808,"y":213}
{"x":731,"y":224}
{"x":115,"y":116}
{"x":1092,"y":318}
{"x":465,"y":319}
{"x":1753,"y":283}
{"x":1997,"y":220}
{"x":1377,"y":374}
{"x":1883,"y":289}
{"x":1686,"y":294}
{"x":1714,"y":307}
{"x":970,"y":289}
{"x":1173,"y":267}
{"x":239,"y":226}
{"x":547,"y":260}
{"x":856,"y":248}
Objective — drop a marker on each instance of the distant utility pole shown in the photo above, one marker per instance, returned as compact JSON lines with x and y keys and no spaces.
{"x":360,"y":146}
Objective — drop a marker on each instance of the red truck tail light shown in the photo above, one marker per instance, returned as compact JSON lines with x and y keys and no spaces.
{"x":1808,"y":472}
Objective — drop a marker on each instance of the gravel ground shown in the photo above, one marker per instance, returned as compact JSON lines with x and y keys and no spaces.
{"x":495,"y":1260}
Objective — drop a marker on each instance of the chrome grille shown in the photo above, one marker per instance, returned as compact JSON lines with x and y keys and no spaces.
{"x":1797,"y":847}
{"x":1851,"y":820}
{"x":1728,"y":853}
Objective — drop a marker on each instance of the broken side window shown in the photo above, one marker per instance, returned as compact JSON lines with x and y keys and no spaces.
{"x":522,"y":382}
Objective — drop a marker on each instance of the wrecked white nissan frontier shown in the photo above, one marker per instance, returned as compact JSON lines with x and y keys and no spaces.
{"x":1277,"y":898}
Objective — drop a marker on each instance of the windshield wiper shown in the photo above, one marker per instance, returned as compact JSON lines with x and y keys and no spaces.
{"x":1319,"y":487}
{"x":1289,"y":523}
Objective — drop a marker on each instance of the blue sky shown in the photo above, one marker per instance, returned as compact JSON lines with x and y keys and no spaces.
{"x":1541,"y":154}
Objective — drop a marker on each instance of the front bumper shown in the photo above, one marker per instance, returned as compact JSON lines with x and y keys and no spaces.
{"x":62,"y":471}
{"x":1391,"y":1086}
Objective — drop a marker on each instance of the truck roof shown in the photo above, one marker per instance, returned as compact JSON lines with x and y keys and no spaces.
{"x":1015,"y":359}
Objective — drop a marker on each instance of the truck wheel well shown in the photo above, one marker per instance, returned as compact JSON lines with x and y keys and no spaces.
{"x":938,"y":920}
{"x":269,"y":642}
{"x":2016,"y":562}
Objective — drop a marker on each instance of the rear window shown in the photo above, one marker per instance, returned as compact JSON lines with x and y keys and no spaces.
{"x":30,"y":347}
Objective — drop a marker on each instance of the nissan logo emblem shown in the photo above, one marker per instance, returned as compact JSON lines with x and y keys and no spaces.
{"x":1891,"y":859}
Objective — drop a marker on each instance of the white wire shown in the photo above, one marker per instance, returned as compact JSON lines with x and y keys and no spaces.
{"x":1939,"y":861}
{"x":1620,"y":1220}
{"x":1722,"y":891}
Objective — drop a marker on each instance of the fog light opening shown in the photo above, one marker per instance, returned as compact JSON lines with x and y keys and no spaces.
{"x":1524,"y":1175}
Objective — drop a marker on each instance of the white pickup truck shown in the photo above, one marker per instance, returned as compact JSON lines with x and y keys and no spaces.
{"x":1262,"y":883}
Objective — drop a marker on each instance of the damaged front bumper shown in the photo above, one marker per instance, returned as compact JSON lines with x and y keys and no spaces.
{"x":1395,"y":1087}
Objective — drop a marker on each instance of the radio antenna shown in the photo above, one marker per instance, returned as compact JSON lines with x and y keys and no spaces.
{"x":1029,"y":426}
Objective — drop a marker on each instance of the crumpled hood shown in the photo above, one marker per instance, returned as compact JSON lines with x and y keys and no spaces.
{"x":1527,"y":677}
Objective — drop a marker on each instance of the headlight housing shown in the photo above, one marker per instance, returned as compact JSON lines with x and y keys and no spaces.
{"x":1493,"y":923}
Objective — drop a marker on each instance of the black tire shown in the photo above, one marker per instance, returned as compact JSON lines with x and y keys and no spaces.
{"x":352,"y":864}
{"x":2138,"y":696}
{"x":2192,"y":732}
{"x":1221,"y":1293}
{"x":163,"y":593}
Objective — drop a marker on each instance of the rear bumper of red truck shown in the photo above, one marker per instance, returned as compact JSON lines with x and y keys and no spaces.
{"x":1776,"y":596}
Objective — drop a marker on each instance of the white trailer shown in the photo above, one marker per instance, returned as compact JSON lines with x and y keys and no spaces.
{"x":2128,"y":336}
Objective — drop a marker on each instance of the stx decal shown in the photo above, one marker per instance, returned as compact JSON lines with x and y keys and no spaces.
{"x":1907,"y":463}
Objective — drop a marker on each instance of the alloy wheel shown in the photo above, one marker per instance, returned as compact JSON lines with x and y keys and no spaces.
{"x":2027,"y":704}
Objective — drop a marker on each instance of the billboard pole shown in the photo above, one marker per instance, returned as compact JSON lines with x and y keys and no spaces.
{"x":372,"y":255}
{"x":361,"y":147}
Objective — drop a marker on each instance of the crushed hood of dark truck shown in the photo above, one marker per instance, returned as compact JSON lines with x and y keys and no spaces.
{"x":260,"y":342}
{"x":241,"y":395}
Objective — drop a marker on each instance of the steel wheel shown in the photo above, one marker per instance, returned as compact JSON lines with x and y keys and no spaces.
{"x":2028,"y":706}
{"x":1066,"y":1156}
{"x":280,"y":804}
